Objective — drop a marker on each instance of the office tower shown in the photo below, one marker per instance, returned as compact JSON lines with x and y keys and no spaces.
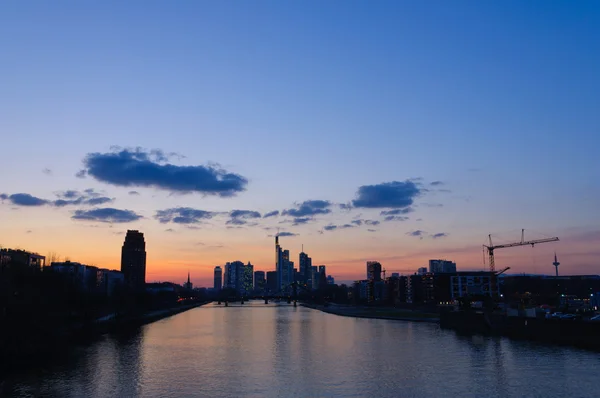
{"x":305,"y":265}
{"x":218,"y":283}
{"x":133,"y":260}
{"x":259,"y":282}
{"x":373,"y":271}
{"x":330,"y":280}
{"x":322,"y":277}
{"x":315,"y":277}
{"x":283,"y":266}
{"x":441,"y":266}
{"x":272,"y":281}
{"x":233,"y":278}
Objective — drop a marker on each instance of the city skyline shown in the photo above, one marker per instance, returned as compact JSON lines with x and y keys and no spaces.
{"x":213,"y":137}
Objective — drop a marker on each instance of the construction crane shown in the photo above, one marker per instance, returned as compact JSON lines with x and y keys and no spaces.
{"x":502,"y":271}
{"x":523,"y":242}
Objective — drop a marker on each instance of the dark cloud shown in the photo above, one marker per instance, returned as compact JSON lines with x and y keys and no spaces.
{"x":345,"y":206}
{"x":396,"y":212}
{"x":97,"y":201}
{"x":372,"y":222}
{"x":47,"y":171}
{"x":169,"y":230}
{"x":88,"y":197}
{"x":395,"y":218}
{"x":271,"y":214}
{"x":183,"y":215}
{"x":106,"y":214}
{"x":246,"y":214}
{"x":236,"y":221}
{"x":418,"y":233}
{"x":134,"y":193}
{"x":372,"y":230}
{"x":287,"y":234}
{"x":334,"y":227}
{"x":25,"y":199}
{"x":393,"y":194}
{"x":444,"y":190}
{"x":439,"y":235}
{"x":436,"y":183}
{"x":301,"y":220}
{"x":29,"y":231}
{"x":147,"y":169}
{"x":357,"y":222}
{"x":309,"y":208}
{"x":81,"y":174}
{"x":70,"y":194}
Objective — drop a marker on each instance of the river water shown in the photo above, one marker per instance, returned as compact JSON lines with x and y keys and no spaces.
{"x":259,"y":350}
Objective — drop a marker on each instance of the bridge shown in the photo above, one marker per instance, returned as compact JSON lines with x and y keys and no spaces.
{"x":290,"y":298}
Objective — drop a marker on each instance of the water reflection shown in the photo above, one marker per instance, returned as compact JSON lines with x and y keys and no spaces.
{"x":260,"y":350}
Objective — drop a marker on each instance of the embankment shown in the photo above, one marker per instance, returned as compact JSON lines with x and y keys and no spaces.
{"x":376,"y":313}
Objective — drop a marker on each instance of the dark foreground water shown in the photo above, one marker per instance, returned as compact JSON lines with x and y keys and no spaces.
{"x":280,"y":351}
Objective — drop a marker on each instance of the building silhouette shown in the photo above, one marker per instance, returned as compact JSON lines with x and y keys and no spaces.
{"x":259,"y":282}
{"x":283,"y":266}
{"x":373,"y":271}
{"x":272,"y":281}
{"x":133,"y":260}
{"x":188,"y":285}
{"x":218,"y":279}
{"x":441,"y":266}
{"x":305,"y":264}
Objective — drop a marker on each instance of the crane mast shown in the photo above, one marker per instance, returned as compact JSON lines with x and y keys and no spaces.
{"x":523,"y":242}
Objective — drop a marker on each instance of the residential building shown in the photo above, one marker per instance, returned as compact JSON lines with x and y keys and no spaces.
{"x":133,"y":260}
{"x":31,"y":260}
{"x":441,"y":266}
{"x":373,"y":271}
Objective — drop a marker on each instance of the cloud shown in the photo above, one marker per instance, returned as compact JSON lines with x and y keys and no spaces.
{"x":245,"y":214}
{"x":106,"y":214}
{"x":372,"y":230}
{"x":372,"y":222}
{"x":141,"y":168}
{"x":334,"y":227}
{"x":29,"y":231}
{"x":444,"y":190}
{"x":395,"y":218}
{"x":88,"y":197}
{"x":25,"y":199}
{"x":357,"y":222}
{"x":81,"y":174}
{"x":271,"y":214}
{"x":183,"y":215}
{"x":418,"y":233}
{"x":287,"y":234}
{"x":133,"y":193}
{"x":439,"y":235}
{"x":393,"y":194}
{"x":345,"y":206}
{"x":395,"y":212}
{"x":47,"y":171}
{"x":309,"y":208}
{"x":436,"y":183}
{"x":236,"y":221}
{"x":301,"y":220}
{"x":3,"y":196}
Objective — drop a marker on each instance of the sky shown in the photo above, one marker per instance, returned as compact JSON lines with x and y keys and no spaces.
{"x":390,"y":131}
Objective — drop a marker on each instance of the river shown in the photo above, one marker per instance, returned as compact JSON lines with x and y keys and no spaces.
{"x":259,"y":350}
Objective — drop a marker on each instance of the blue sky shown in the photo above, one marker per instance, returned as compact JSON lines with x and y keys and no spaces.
{"x":310,"y":101}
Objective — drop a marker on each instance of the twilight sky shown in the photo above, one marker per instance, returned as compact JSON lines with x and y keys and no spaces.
{"x":392,"y":131}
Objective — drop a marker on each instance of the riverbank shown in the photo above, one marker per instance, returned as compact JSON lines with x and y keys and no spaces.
{"x":387,"y":313}
{"x":35,"y":344}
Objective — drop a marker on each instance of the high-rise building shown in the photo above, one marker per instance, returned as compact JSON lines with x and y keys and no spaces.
{"x":441,"y":266}
{"x":322,"y":277}
{"x":272,"y":281}
{"x":330,"y":280}
{"x":233,"y":278}
{"x":133,"y":260}
{"x":283,"y":266}
{"x":247,"y":279}
{"x":422,"y":271}
{"x":305,"y":265}
{"x":315,"y":277}
{"x":218,"y":283}
{"x":373,"y":271}
{"x":259,"y":282}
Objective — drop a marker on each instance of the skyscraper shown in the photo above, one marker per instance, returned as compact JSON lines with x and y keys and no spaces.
{"x":305,"y":263}
{"x":322,"y":277}
{"x":247,"y":279}
{"x":283,"y":266}
{"x":234,"y":275}
{"x":272,"y":282}
{"x":259,"y":282}
{"x":314,"y":277}
{"x":218,"y":283}
{"x":373,"y":271}
{"x":133,"y":260}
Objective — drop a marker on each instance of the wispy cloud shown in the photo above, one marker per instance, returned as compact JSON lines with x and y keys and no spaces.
{"x":183,"y":215}
{"x":309,"y":208}
{"x":108,"y":215}
{"x":271,"y":214}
